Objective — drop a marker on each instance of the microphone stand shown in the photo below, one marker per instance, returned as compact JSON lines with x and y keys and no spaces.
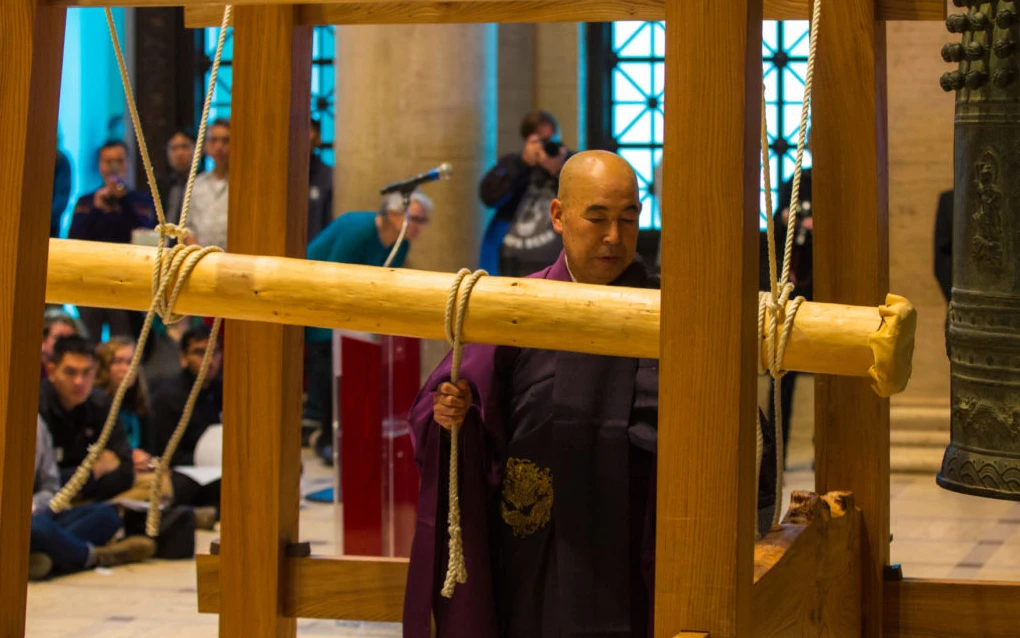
{"x":406,"y":194}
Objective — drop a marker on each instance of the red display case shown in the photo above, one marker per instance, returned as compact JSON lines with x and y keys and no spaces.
{"x":377,"y":381}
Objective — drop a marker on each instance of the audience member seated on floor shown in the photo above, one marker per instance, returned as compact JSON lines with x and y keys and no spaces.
{"x":168,"y":407}
{"x":77,"y":538}
{"x":55,"y":325}
{"x":75,"y":412}
{"x":114,"y":361}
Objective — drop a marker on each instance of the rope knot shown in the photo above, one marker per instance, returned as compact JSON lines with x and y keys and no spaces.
{"x":176,"y":231}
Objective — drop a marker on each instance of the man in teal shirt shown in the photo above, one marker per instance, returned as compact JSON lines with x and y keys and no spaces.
{"x":365,"y":239}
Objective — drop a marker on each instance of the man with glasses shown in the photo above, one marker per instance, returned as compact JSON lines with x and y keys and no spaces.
{"x":365,"y":239}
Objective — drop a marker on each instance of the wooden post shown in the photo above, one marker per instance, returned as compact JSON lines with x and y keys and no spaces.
{"x":851,"y":265}
{"x":262,"y":367}
{"x":31,"y":54}
{"x":706,"y":499}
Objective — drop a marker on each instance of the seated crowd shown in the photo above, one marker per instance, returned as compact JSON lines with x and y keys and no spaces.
{"x":105,"y":525}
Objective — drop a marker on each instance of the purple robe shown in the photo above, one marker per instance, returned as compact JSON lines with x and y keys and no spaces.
{"x":587,"y":422}
{"x":579,"y":431}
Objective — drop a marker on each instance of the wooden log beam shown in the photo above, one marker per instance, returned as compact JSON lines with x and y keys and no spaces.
{"x":807,"y":572}
{"x":268,"y":212}
{"x":31,"y":53}
{"x":827,"y":338}
{"x":919,"y":608}
{"x":206,"y":13}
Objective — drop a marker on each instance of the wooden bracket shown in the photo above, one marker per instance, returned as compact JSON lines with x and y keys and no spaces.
{"x":807,"y":571}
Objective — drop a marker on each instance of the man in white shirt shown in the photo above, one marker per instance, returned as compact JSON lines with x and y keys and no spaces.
{"x":207,"y":215}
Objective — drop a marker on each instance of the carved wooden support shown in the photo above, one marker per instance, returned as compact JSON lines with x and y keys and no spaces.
{"x":807,"y":571}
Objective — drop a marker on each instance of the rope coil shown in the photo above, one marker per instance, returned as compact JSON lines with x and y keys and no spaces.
{"x":169,"y":274}
{"x":456,"y":310}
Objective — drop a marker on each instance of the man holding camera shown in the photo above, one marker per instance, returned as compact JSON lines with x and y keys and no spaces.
{"x":111,"y":213}
{"x":520,"y":239}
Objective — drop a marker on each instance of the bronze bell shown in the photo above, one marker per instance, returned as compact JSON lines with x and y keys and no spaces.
{"x":983,"y":328}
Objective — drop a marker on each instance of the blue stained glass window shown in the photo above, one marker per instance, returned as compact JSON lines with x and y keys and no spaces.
{"x":636,"y":101}
{"x":323,"y":82}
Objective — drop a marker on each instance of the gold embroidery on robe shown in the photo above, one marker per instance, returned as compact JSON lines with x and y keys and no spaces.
{"x":527,"y":496}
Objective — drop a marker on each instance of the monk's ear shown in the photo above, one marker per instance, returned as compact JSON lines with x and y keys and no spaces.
{"x":556,"y":212}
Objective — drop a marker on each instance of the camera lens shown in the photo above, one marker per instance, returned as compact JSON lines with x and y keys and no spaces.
{"x":552,"y":147}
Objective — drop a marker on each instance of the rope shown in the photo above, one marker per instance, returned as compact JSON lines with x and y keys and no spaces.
{"x":456,"y":571}
{"x":396,"y":245}
{"x":778,"y":330}
{"x":170,"y":272}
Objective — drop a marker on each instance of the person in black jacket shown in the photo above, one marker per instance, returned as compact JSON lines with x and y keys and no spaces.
{"x":168,"y":406}
{"x":944,"y":244}
{"x":180,"y":150}
{"x":75,"y":412}
{"x":506,"y":188}
{"x":801,"y":274}
{"x":320,"y":187}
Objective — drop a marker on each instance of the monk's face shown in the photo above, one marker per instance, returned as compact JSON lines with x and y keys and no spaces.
{"x":597,"y":214}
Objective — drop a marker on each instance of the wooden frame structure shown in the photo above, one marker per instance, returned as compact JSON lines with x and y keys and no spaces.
{"x":704,"y":502}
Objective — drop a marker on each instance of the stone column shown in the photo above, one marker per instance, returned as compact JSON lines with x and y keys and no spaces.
{"x":542,"y":66}
{"x":561,"y":83}
{"x":920,"y":168}
{"x":409,"y":98}
{"x":516,"y":83}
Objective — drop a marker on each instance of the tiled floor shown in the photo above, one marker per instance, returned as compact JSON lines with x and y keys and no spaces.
{"x":936,"y":534}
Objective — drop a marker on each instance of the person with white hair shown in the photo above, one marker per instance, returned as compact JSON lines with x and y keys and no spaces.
{"x":366,"y":239}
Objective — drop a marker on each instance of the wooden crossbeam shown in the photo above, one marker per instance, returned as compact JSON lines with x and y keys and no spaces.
{"x":826,"y":338}
{"x":205,"y":13}
{"x":789,"y":565}
{"x":818,"y":539}
{"x":346,"y":588}
{"x":920,"y":608}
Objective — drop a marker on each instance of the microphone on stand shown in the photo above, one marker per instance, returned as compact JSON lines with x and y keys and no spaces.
{"x":443,"y":171}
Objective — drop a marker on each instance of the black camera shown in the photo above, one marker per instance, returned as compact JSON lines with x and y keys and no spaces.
{"x":552,"y":147}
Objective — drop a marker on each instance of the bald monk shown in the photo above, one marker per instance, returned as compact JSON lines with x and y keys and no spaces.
{"x":557,"y":463}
